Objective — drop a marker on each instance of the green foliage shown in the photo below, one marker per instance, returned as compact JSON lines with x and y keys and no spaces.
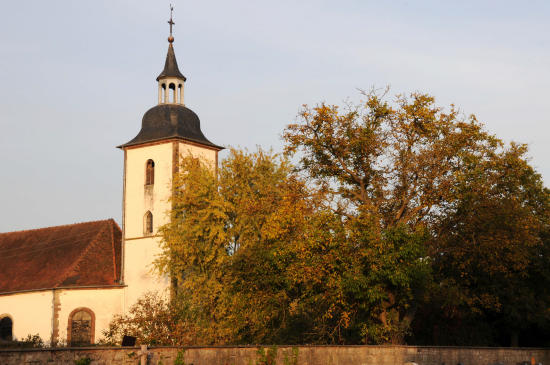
{"x":154,"y":321}
{"x":83,"y":361}
{"x":180,"y":358}
{"x":294,"y":359}
{"x":482,"y":206}
{"x":269,"y":359}
{"x":217,"y":225}
{"x":31,"y":341}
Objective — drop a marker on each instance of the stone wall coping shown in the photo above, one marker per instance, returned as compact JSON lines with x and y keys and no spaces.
{"x":24,"y":349}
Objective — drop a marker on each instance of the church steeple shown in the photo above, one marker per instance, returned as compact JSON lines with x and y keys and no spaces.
{"x":171,"y":78}
{"x":169,"y":131}
{"x":170,"y":119}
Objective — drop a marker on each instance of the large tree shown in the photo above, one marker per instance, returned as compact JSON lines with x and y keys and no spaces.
{"x":391,"y":206}
{"x":415,"y":165}
{"x":261,"y":259}
{"x":219,"y":241}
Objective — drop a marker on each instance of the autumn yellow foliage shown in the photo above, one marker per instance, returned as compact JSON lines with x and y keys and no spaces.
{"x":391,"y":210}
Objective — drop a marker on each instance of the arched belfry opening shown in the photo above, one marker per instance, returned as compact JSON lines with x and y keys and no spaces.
{"x":162,"y":93}
{"x":173,"y":98}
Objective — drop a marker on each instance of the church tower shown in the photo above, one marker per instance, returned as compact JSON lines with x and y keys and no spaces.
{"x":168,"y":131}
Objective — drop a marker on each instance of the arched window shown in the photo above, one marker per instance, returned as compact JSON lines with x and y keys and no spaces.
{"x":81,"y":327}
{"x":6,"y":329}
{"x":150,"y":173}
{"x":148,"y":222}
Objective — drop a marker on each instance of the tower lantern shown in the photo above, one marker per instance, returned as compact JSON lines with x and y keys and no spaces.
{"x":171,"y":81}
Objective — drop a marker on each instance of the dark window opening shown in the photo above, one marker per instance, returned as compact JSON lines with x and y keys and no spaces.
{"x":172,"y":95}
{"x":149,"y":224}
{"x":150,"y":173}
{"x":81,"y":329}
{"x":6,"y":327}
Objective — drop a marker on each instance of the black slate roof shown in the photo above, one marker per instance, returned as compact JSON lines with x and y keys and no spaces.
{"x":171,"y":66}
{"x":166,"y":121}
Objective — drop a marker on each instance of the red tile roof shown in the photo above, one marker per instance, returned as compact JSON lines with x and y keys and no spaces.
{"x":82,"y":254}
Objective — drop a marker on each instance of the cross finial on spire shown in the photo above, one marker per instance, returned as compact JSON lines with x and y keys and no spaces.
{"x":171,"y":39}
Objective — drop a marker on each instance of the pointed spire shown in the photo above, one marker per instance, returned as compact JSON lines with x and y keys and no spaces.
{"x":171,"y":66}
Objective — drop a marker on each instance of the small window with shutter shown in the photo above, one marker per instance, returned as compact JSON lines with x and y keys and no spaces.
{"x":150,"y":173}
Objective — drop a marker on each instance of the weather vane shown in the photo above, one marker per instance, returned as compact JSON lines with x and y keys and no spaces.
{"x":171,"y":39}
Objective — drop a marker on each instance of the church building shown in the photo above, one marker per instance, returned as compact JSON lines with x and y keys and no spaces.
{"x":67,"y":282}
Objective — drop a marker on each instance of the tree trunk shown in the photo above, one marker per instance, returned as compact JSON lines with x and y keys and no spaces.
{"x":514,"y":339}
{"x":409,"y":316}
{"x":411,"y":311}
{"x":173,"y":287}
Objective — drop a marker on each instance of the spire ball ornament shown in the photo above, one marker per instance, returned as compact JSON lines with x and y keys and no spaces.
{"x":171,"y":39}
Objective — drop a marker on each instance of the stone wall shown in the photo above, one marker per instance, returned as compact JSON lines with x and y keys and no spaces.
{"x":307,"y":355}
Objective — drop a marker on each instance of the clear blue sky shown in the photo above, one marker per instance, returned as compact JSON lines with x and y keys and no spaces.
{"x":76,"y":78}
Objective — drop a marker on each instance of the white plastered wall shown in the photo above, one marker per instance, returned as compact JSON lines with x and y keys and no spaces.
{"x":139,"y":278}
{"x":31,"y":313}
{"x":103,"y":302}
{"x":196,"y":151}
{"x":140,"y":250}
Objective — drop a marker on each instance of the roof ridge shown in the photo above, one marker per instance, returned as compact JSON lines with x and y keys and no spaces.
{"x":116,"y":224}
{"x":121,"y":250}
{"x":83,"y":253}
{"x":113,"y":247}
{"x":63,"y":225}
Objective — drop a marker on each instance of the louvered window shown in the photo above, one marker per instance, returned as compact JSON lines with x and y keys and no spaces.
{"x":149,"y":223}
{"x":150,"y":173}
